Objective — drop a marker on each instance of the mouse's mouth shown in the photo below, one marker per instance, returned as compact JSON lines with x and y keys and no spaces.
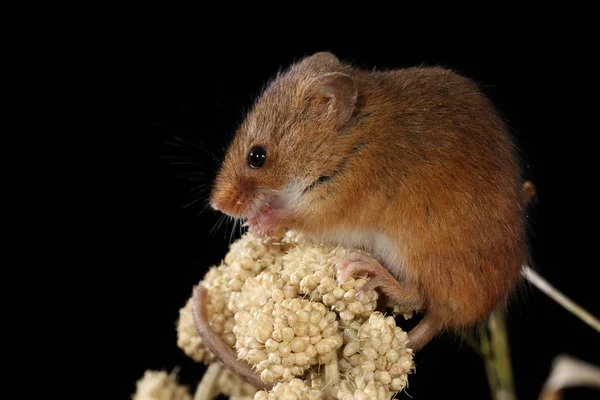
{"x":266,"y":218}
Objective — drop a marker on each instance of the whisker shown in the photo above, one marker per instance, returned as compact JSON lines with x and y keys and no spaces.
{"x":192,"y":173}
{"x":232,"y":230}
{"x":231,"y":222}
{"x":201,"y":187}
{"x":193,"y":202}
{"x":196,"y":146}
{"x":222,"y":145}
{"x":187,"y":163}
{"x":165,"y":126}
{"x":179,"y":145}
{"x":177,"y":157}
{"x":223,"y":221}
{"x":201,"y":192}
{"x":206,"y":207}
{"x":189,"y":143}
{"x":226,"y":222}
{"x":217,"y":224}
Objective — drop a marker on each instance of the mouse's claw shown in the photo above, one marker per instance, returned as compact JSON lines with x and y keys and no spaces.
{"x":359,"y":264}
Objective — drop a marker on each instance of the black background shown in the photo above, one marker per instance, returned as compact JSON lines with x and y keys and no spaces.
{"x":198,"y":92}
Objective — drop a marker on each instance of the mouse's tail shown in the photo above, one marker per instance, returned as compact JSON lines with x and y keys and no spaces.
{"x":217,"y":345}
{"x":422,"y":334}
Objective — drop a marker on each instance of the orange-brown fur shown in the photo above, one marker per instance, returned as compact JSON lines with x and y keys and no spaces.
{"x":420,"y":158}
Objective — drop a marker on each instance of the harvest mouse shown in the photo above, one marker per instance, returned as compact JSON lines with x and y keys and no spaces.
{"x":413,"y":165}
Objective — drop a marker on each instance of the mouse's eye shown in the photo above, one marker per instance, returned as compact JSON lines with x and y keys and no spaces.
{"x":257,"y":157}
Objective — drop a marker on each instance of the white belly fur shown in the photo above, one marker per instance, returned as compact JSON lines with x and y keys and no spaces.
{"x":376,"y":243}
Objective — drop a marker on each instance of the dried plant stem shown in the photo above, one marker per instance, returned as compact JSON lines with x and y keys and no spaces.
{"x":332,"y":376}
{"x":206,"y":387}
{"x":494,"y":339}
{"x":566,"y":372}
{"x":496,"y":355}
{"x":499,"y":337}
{"x":560,"y":298}
{"x":472,"y":341}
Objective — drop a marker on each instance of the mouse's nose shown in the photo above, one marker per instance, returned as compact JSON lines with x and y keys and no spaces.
{"x":214,"y":205}
{"x":223,"y":206}
{"x":231,"y":199}
{"x":218,"y":201}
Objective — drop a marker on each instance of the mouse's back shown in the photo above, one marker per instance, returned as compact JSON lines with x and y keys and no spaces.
{"x":452,"y":186}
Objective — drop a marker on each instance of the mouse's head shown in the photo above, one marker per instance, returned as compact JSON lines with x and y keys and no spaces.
{"x":291,"y":143}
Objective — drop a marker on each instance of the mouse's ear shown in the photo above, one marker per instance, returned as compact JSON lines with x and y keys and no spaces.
{"x":320,"y":59}
{"x":335,"y":96}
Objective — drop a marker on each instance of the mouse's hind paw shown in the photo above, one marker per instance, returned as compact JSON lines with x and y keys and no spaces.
{"x":359,"y":264}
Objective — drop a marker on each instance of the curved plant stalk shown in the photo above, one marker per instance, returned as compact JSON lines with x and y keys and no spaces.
{"x":568,"y":372}
{"x":560,"y":298}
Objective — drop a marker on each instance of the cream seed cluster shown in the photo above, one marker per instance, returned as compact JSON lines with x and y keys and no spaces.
{"x":279,"y":304}
{"x":283,"y":339}
{"x":375,"y":355}
{"x":294,"y":389}
{"x":313,"y":269}
{"x":188,"y":339}
{"x":245,"y":259}
{"x":229,"y":384}
{"x":158,"y":385}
